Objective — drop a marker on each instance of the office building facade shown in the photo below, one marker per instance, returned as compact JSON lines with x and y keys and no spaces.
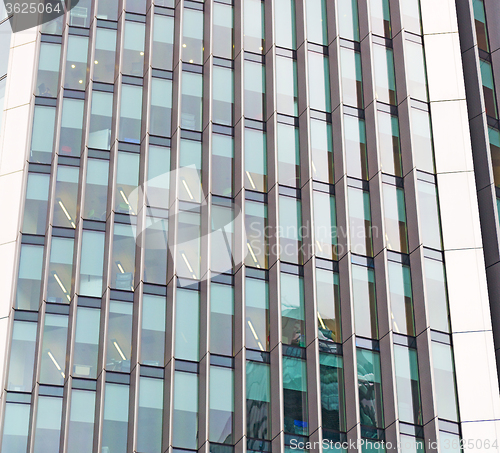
{"x":250,"y":225}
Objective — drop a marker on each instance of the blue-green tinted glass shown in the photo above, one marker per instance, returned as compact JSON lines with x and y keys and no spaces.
{"x":119,"y":342}
{"x":133,"y":49}
{"x":429,"y":215}
{"x":108,"y":10}
{"x":490,"y":101}
{"x":71,"y":127}
{"x":42,"y":138}
{"x":348,"y":19}
{"x":400,"y":295}
{"x":96,"y":190}
{"x":185,"y":413}
{"x":76,"y":62}
{"x":370,"y":389}
{"x":257,"y":314}
{"x":385,"y":78}
{"x":437,"y":298}
{"x":221,"y":319}
{"x":494,"y":138}
{"x":22,"y":356}
{"x":222,"y":38}
{"x":290,"y":220}
{"x":48,"y":70}
{"x":292,"y":309}
{"x":444,"y":378}
{"x":355,"y":147}
{"x":395,"y":218}
{"x":163,"y":42}
{"x":411,"y":444}
{"x":191,"y":101}
{"x":91,"y":264}
{"x":101,"y":115}
{"x":332,"y":392}
{"x":360,"y":221}
{"x":258,"y":384}
{"x":60,"y":270}
{"x":158,"y":178}
{"x":255,"y":90}
{"x":286,"y":86}
{"x":352,"y":80}
{"x":30,"y":277}
{"x":150,"y":415}
{"x":35,"y":208}
{"x":222,"y":96}
{"x":115,"y":420}
{"x":389,"y":143}
{"x":255,"y":160}
{"x":130,"y":114}
{"x":222,"y":238}
{"x":365,"y":302}
{"x":123,"y":257}
{"x":319,"y":82}
{"x":284,"y":23}
{"x":222,"y":165}
{"x":322,"y":151}
{"x":255,"y":227}
{"x":48,"y":424}
{"x":480,"y":24}
{"x":221,"y":405}
{"x":189,"y":243}
{"x":105,"y":52}
{"x":317,"y":25}
{"x":86,"y":342}
{"x":81,"y":421}
{"x":253,"y":25}
{"x":16,"y":428}
{"x":325,"y":225}
{"x":380,"y":18}
{"x":328,"y":297}
{"x":192,"y":36}
{"x":153,"y":330}
{"x":422,"y":140}
{"x":187,"y":320}
{"x":127,"y":181}
{"x":417,"y":78}
{"x":66,"y":196}
{"x":407,"y":384}
{"x":53,"y":362}
{"x":295,"y":396}
{"x":288,"y":155}
{"x":161,"y":107}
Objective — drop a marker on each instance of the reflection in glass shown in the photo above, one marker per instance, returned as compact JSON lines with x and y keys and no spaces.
{"x":258,"y":395}
{"x":395,"y":218}
{"x":158,"y":179}
{"x":257,"y":314}
{"x":71,"y":127}
{"x":133,"y":48}
{"x":30,"y":277}
{"x":360,"y":224}
{"x":389,"y":143}
{"x":53,"y":364}
{"x":48,"y":424}
{"x":96,"y":190}
{"x":123,"y":258}
{"x":292,"y":310}
{"x":222,"y":165}
{"x":429,"y":215}
{"x":222,"y":39}
{"x":131,"y":114}
{"x":380,"y":18}
{"x":156,"y":249}
{"x":150,"y":415}
{"x":81,"y":421}
{"x":322,"y":151}
{"x":127,"y":181}
{"x":284,"y":23}
{"x":328,"y":297}
{"x":437,"y":297}
{"x":60,"y":270}
{"x":187,"y":321}
{"x":153,"y":330}
{"x":16,"y":428}
{"x":288,"y":155}
{"x":66,"y":197}
{"x":257,"y":241}
{"x":35,"y":208}
{"x":295,"y":396}
{"x":222,"y":96}
{"x":348,"y":19}
{"x":480,"y":25}
{"x":365,"y":301}
{"x":385,"y":79}
{"x":253,"y":25}
{"x":255,"y":89}
{"x":91,"y":264}
{"x":355,"y":147}
{"x":221,"y":320}
{"x":422,"y":140}
{"x":407,"y":384}
{"x":490,"y":100}
{"x":189,"y":243}
{"x":370,"y":388}
{"x":332,"y":392}
{"x":411,"y":444}
{"x":192,"y":36}
{"x":115,"y":421}
{"x":325,"y":225}
{"x":22,"y":357}
{"x":163,"y":42}
{"x":222,"y":237}
{"x":352,"y":79}
{"x":76,"y":62}
{"x":286,"y":86}
{"x":119,"y":336}
{"x":104,"y":57}
{"x":191,"y":101}
{"x":42,"y":136}
{"x":444,"y":379}
{"x":101,"y":116}
{"x":48,"y":70}
{"x":417,"y":78}
{"x":221,"y":405}
{"x":411,"y":16}
{"x":319,"y":82}
{"x":86,"y":342}
{"x":185,"y":413}
{"x":290,"y":221}
{"x":400,"y":295}
{"x":161,"y":107}
{"x":317,"y":29}
{"x":255,"y":160}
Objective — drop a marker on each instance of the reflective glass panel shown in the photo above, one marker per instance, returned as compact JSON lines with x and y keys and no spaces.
{"x":255,"y":230}
{"x":48,"y":70}
{"x":163,"y":42}
{"x":222,"y":238}
{"x":325,"y":225}
{"x":119,"y":342}
{"x":380,"y":18}
{"x":290,"y":221}
{"x":221,"y":320}
{"x":411,"y":444}
{"x":53,"y":364}
{"x":16,"y":428}
{"x":189,"y":243}
{"x":417,"y":78}
{"x":286,"y":86}
{"x":88,"y":322}
{"x":288,"y":155}
{"x":153,"y":330}
{"x":101,"y":116}
{"x":115,"y":421}
{"x":422,"y":140}
{"x":332,"y":392}
{"x":400,"y":295}
{"x":370,"y":388}
{"x":255,"y":160}
{"x":35,"y":208}
{"x":192,"y":36}
{"x":81,"y":421}
{"x":480,"y":25}
{"x":30,"y":277}
{"x":322,"y":151}
{"x":253,"y":25}
{"x":295,"y":396}
{"x":444,"y":378}
{"x":395,"y":218}
{"x":222,"y":38}
{"x":494,"y":138}
{"x":60,"y":270}
{"x":355,"y":147}
{"x":150,"y":415}
{"x":158,"y":179}
{"x":191,"y":107}
{"x":284,"y":23}
{"x":48,"y":424}
{"x":222,"y":96}
{"x":257,"y":314}
{"x":437,"y":297}
{"x":258,"y":384}
{"x":385,"y":79}
{"x":156,"y":249}
{"x":490,"y":101}
{"x":352,"y":80}
{"x":127,"y":181}
{"x":411,"y":16}
{"x":348,"y":19}
{"x":328,"y":297}
{"x":255,"y":89}
{"x":360,"y":224}
{"x":76,"y":62}
{"x":71,"y":127}
{"x":292,"y":309}
{"x":22,"y":356}
{"x":317,"y":29}
{"x":161,"y":107}
{"x":105,"y":52}
{"x":131,"y":114}
{"x":190,"y":161}
{"x":123,"y":258}
{"x":185,"y":413}
{"x":222,"y":165}
{"x":365,"y":301}
{"x":221,"y":405}
{"x":42,"y":136}
{"x":187,"y":321}
{"x":96,"y":190}
{"x":389,"y":143}
{"x":66,"y":195}
{"x":91,"y":264}
{"x":133,"y":49}
{"x":407,"y":383}
{"x":429,"y":215}
{"x":319,"y":82}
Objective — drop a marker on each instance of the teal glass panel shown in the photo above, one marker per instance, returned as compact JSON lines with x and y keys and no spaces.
{"x":105,"y":54}
{"x":389,"y":143}
{"x":158,"y":177}
{"x":322,"y":151}
{"x":319,"y":82}
{"x":76,"y":62}
{"x":123,"y":257}
{"x":352,"y":78}
{"x":161,"y":107}
{"x":400,"y":295}
{"x":253,"y":26}
{"x":450,"y":443}
{"x":221,"y":320}
{"x":284,"y":23}
{"x":407,"y":384}
{"x":130,"y":114}
{"x":48,"y":70}
{"x":71,"y":127}
{"x":255,"y":160}
{"x":101,"y":116}
{"x":328,"y":298}
{"x":127,"y":182}
{"x":191,"y":101}
{"x":295,"y":396}
{"x":494,"y":138}
{"x":257,"y":252}
{"x":422,"y":140}
{"x":48,"y":424}
{"x":115,"y":420}
{"x":222,"y":37}
{"x":192,"y":36}
{"x":22,"y":357}
{"x":332,"y":392}
{"x":396,"y":235}
{"x":290,"y":221}
{"x":411,"y":444}
{"x":189,"y":243}
{"x":155,"y":249}
{"x":29,"y":278}
{"x":437,"y":297}
{"x":86,"y":350}
{"x":258,"y":394}
{"x":255,"y":90}
{"x":53,"y":362}
{"x":360,"y":225}
{"x":429,"y":215}
{"x":133,"y":49}
{"x":286,"y":86}
{"x":325,"y":225}
{"x":355,"y":147}
{"x":221,"y":405}
{"x":380,"y":18}
{"x":385,"y":78}
{"x":190,"y":162}
{"x":80,"y":16}
{"x":92,"y":263}
{"x":42,"y":137}
{"x":480,"y":25}
{"x":490,"y":100}
{"x":119,"y":336}
{"x":317,"y":22}
{"x":292,"y":310}
{"x":222,"y":96}
{"x":66,"y":197}
{"x":444,"y":381}
{"x":222,"y":165}
{"x":16,"y":428}
{"x":365,"y":302}
{"x":417,"y":78}
{"x":60,"y":270}
{"x":81,"y":421}
{"x":257,"y":314}
{"x":187,"y":321}
{"x":370,"y":389}
{"x":185,"y":413}
{"x":222,"y":238}
{"x":96,"y":190}
{"x":347,"y":11}
{"x":153,"y":330}
{"x":163,"y":42}
{"x":35,"y":208}
{"x":288,"y":155}
{"x":150,"y":415}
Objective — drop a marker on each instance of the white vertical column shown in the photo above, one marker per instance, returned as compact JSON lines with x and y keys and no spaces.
{"x":468,"y":297}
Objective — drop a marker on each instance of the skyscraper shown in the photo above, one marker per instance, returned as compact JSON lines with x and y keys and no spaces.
{"x":250,"y":225}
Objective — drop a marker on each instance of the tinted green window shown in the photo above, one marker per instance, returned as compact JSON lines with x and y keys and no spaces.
{"x":185,"y":413}
{"x":389,"y":143}
{"x":257,"y":314}
{"x":30,"y":277}
{"x":222,"y":237}
{"x":53,"y":364}
{"x":325,"y":225}
{"x":288,"y":155}
{"x":222,"y":96}
{"x":332,"y":392}
{"x":407,"y":383}
{"x":255,"y":160}
{"x":480,"y":24}
{"x":221,"y":319}
{"x":16,"y":428}
{"x":328,"y":297}
{"x":253,"y":25}
{"x":66,"y":195}
{"x":158,"y":177}
{"x":123,"y":258}
{"x":105,"y":54}
{"x":48,"y":70}
{"x":115,"y":421}
{"x":490,"y":100}
{"x":411,"y":444}
{"x":163,"y":42}
{"x":290,"y":221}
{"x":395,"y":218}
{"x":153,"y":330}
{"x":222,"y":40}
{"x":222,"y":164}
{"x":22,"y":356}
{"x":187,"y":320}
{"x":292,"y":309}
{"x":494,"y":138}
{"x":119,"y":341}
{"x":42,"y":138}
{"x":319,"y":82}
{"x":101,"y":116}
{"x":133,"y":48}
{"x":400,"y":295}
{"x":190,"y":161}
{"x":192,"y":36}
{"x":81,"y":421}
{"x":360,"y":221}
{"x":221,"y":405}
{"x":155,"y":247}
{"x":255,"y":227}
{"x":258,"y":395}
{"x":370,"y":389}
{"x":295,"y":396}
{"x":91,"y":264}
{"x":131,"y":113}
{"x":150,"y":415}
{"x":76,"y":62}
{"x":86,"y":342}
{"x":48,"y":424}
{"x":347,"y":11}
{"x":127,"y":181}
{"x":189,"y":243}
{"x":161,"y":107}
{"x":355,"y":147}
{"x":96,"y":190}
{"x":352,"y":80}
{"x":71,"y":127}
{"x":35,"y":208}
{"x":60,"y":270}
{"x":365,"y":302}
{"x":191,"y":107}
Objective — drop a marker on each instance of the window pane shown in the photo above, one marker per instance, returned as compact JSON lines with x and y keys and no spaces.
{"x":131,"y":114}
{"x":76,"y":62}
{"x":317,"y":24}
{"x":255,"y":89}
{"x":123,"y":258}
{"x":163,"y":42}
{"x":189,"y":243}
{"x":127,"y":181}
{"x":286,"y":86}
{"x":115,"y":422}
{"x":42,"y":138}
{"x":22,"y":356}
{"x":192,"y":36}
{"x":81,"y":421}
{"x":101,"y":115}
{"x":185,"y":413}
{"x":370,"y":389}
{"x":288,"y":155}
{"x":360,"y":226}
{"x":161,"y":107}
{"x":150,"y":415}
{"x":158,"y":178}
{"x":80,"y":16}
{"x":105,"y":51}
{"x":355,"y":147}
{"x":66,"y":196}
{"x":408,"y":388}
{"x":380,"y":18}
{"x":325,"y":225}
{"x":411,"y":16}
{"x":221,"y":320}
{"x":255,"y":229}
{"x":191,"y":108}
{"x":290,"y":221}
{"x":284,"y":23}
{"x":255,"y":160}
{"x":322,"y":151}
{"x":295,"y":396}
{"x":444,"y":378}
{"x":71,"y":127}
{"x":155,"y":249}
{"x":91,"y":265}
{"x":348,"y":19}
{"x":88,"y":322}
{"x":30,"y":277}
{"x":389,"y":143}
{"x":429,"y":215}
{"x":222,"y":38}
{"x":253,"y":25}
{"x":416,"y":70}
{"x":133,"y":49}
{"x":60,"y":270}
{"x":292,"y":309}
{"x":332,"y":392}
{"x":48,"y":424}
{"x":257,"y":314}
{"x":437,"y":298}
{"x":35,"y":208}
{"x":400,"y":295}
{"x":187,"y":320}
{"x":96,"y":190}
{"x":365,"y":302}
{"x":488,"y":89}
{"x":222,"y":96}
{"x":328,"y":297}
{"x":221,"y":405}
{"x":319,"y":82}
{"x":153,"y":330}
{"x":411,"y":444}
{"x":395,"y":218}
{"x":222,"y":165}
{"x":16,"y":428}
{"x":48,"y":70}
{"x":222,"y":237}
{"x":53,"y":365}
{"x":480,"y":25}
{"x":494,"y":139}
{"x":258,"y":400}
{"x":422,"y":140}
{"x":385,"y":79}
{"x":119,"y":343}
{"x":352,"y":79}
